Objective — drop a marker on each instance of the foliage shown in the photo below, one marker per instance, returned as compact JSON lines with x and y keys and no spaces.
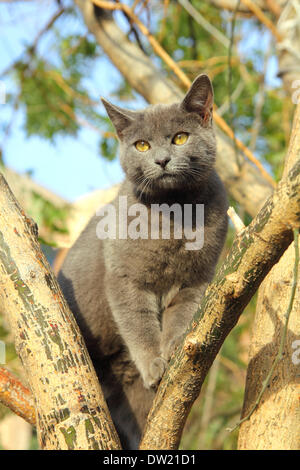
{"x":53,"y":95}
{"x":46,"y":214}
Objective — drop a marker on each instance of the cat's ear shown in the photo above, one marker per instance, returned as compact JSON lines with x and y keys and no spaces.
{"x":200,"y":98}
{"x":121,"y":118}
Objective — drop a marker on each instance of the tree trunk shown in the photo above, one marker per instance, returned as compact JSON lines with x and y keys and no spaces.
{"x":288,"y":49}
{"x":71,"y":412}
{"x":275,"y":423}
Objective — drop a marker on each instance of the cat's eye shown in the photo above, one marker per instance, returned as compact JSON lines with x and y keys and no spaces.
{"x":142,"y":146}
{"x":180,"y":138}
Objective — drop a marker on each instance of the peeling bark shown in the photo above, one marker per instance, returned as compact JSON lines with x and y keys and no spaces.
{"x":251,"y":257}
{"x":70,"y":408}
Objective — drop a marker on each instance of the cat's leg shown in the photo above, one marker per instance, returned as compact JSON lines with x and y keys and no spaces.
{"x":135,"y":312}
{"x":177,"y":316}
{"x":127,"y":399}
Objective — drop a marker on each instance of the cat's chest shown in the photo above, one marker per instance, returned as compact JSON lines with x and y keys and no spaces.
{"x":161,"y":264}
{"x":159,"y":251}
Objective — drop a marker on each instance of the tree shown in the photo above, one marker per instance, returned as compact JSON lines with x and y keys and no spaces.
{"x":71,"y":410}
{"x":258,"y":114}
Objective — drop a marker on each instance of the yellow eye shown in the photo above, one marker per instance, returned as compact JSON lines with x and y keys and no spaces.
{"x":142,"y":146}
{"x":180,"y":138}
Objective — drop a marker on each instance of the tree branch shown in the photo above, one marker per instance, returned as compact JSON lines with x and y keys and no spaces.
{"x":70,"y":407}
{"x":275,"y":418}
{"x":211,"y":29}
{"x":16,"y":396}
{"x":250,"y":259}
{"x":257,"y":11}
{"x":265,"y":5}
{"x":279,"y":355}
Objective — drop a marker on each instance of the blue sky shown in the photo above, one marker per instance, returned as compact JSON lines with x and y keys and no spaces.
{"x":71,"y":167}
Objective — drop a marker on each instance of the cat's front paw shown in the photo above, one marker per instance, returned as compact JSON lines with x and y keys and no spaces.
{"x":169,"y":347}
{"x":154,"y":372}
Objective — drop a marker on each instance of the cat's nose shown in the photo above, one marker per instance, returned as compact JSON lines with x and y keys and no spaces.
{"x":162,"y":161}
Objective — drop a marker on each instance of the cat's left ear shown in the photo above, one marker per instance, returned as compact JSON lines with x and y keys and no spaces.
{"x":200,"y":98}
{"x":121,"y":118}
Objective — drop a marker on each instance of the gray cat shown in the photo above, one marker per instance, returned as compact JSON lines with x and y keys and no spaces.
{"x":134,"y":298}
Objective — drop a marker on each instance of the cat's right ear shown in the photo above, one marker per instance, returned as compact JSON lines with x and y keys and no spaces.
{"x":199,"y":99}
{"x":121,"y":118}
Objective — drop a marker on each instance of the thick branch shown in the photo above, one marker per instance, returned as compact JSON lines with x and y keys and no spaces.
{"x":251,"y":257}
{"x":246,"y":185}
{"x":16,"y":396}
{"x":257,"y":11}
{"x":288,"y":50}
{"x":266,"y":5}
{"x":70,"y":407}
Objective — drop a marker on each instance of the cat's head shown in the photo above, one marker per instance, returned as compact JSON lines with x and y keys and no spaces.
{"x":168,"y":147}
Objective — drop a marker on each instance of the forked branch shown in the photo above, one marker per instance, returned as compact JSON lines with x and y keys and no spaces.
{"x":254,"y":252}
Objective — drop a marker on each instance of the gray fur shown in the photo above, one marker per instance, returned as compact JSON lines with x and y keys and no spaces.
{"x":133,"y":299}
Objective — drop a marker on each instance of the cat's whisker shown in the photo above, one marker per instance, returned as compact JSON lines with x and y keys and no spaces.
{"x":146,"y":183}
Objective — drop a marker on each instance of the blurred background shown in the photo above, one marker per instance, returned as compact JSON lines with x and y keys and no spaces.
{"x":59,"y":153}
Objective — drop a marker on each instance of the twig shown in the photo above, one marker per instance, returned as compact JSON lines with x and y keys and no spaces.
{"x":164,"y":19}
{"x":8,"y":127}
{"x":16,"y":396}
{"x":204,"y":23}
{"x":230,"y":48}
{"x":144,"y":30}
{"x":235,"y":95}
{"x":235,"y":219}
{"x":61,"y":82}
{"x":134,"y":5}
{"x":206,"y":63}
{"x":274,"y":7}
{"x":243,"y":9}
{"x":184,"y":79}
{"x":47,"y":27}
{"x":35,"y":42}
{"x":224,"y":126}
{"x":283,"y":336}
{"x":256,"y":125}
{"x":263,"y":18}
{"x":132,"y":28}
{"x":209,"y":398}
